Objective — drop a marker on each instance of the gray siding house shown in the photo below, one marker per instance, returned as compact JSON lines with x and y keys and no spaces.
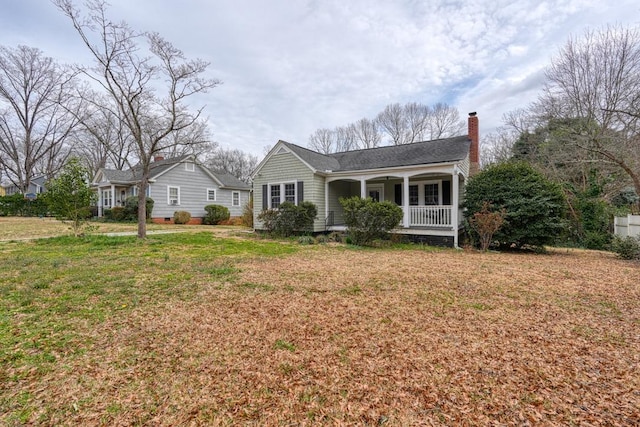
{"x":176,"y":184}
{"x":36,"y":186}
{"x":426,"y":179}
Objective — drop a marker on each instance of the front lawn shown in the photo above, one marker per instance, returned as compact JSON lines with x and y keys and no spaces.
{"x":195,"y":329}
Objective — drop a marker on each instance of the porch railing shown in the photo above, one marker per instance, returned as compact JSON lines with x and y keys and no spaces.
{"x":430,"y":216}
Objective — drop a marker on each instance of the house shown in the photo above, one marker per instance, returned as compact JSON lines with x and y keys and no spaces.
{"x":176,"y":184}
{"x":36,"y":186}
{"x":426,"y":179}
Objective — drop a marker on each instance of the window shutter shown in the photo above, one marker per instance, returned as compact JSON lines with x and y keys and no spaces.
{"x":300,"y":192}
{"x":265,"y":195}
{"x":446,"y":192}
{"x":397,"y":189}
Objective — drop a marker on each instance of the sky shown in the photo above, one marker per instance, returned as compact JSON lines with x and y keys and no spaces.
{"x":289,"y":67}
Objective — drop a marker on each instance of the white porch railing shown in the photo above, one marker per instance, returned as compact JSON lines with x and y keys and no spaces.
{"x":430,"y":216}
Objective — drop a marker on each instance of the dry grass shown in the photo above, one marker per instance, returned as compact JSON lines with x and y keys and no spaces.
{"x":335,"y":336}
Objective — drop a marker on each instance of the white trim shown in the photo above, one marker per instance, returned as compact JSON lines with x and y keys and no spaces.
{"x":171,"y":167}
{"x":398,"y":172}
{"x":455,"y":201}
{"x":215,"y":195}
{"x":277,"y":150}
{"x":421,"y":192}
{"x":190,"y":167}
{"x":282,"y":192}
{"x":108,"y":198}
{"x":233,"y":194}
{"x":169,"y":201}
{"x":374,"y":187}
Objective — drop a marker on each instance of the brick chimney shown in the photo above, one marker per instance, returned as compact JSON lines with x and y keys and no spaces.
{"x":158,"y":157}
{"x":474,"y":151}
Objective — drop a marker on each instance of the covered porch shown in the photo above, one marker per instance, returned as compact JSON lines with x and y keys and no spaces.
{"x":429,"y":199}
{"x":111,"y":195}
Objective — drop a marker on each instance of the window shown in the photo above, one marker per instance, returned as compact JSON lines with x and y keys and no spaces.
{"x":235,"y":198}
{"x":190,"y":167}
{"x":290,"y":193}
{"x":275,"y":196}
{"x":173,"y":194}
{"x":106,"y":198}
{"x":281,"y":192}
{"x":431,"y":194}
{"x":414,"y":199}
{"x":375,"y":192}
{"x":211,"y":194}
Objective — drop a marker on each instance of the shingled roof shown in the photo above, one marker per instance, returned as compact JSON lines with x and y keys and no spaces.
{"x":418,"y":153}
{"x":229,"y":181}
{"x":132,"y":175}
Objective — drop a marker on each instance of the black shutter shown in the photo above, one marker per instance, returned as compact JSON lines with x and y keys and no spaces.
{"x":265,"y":195}
{"x":397,"y":189}
{"x":300,"y":192}
{"x":446,"y":192}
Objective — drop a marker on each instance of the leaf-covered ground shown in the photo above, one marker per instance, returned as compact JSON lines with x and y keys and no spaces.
{"x":330,"y":335}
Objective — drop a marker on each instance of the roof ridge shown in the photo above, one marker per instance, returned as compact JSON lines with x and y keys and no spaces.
{"x":401,"y":145}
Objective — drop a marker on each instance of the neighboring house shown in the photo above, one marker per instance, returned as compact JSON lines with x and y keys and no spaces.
{"x":37,"y":186}
{"x":177,"y":184}
{"x":426,"y":179}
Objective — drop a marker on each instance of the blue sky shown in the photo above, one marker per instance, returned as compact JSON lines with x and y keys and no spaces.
{"x":291,"y":67}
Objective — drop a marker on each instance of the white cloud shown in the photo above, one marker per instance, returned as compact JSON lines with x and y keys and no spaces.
{"x":292,"y":67}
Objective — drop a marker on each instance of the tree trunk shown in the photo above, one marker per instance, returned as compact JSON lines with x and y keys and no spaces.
{"x":142,"y":206}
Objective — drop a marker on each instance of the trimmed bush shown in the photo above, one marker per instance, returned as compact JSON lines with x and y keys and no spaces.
{"x":181,"y":217}
{"x":289,"y":219}
{"x":627,"y":247}
{"x":117,"y":213}
{"x":215,"y":214}
{"x":368,"y":220}
{"x":131,"y":208}
{"x":268,"y":218}
{"x":17,"y":205}
{"x":535,"y":207}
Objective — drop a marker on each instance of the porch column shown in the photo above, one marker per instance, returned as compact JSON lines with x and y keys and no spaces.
{"x":100,"y":202}
{"x":363,"y":188}
{"x":455,"y":186}
{"x":326,"y":199}
{"x":113,"y":196}
{"x":405,"y":202}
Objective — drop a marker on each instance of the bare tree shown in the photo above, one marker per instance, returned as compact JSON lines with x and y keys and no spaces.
{"x":416,"y":122}
{"x":234,"y":162}
{"x":367,"y":133}
{"x":195,"y":139}
{"x":394,"y":122}
{"x":36,"y":121}
{"x":134,"y":83}
{"x":346,"y":138}
{"x":403,"y":124}
{"x":417,"y":117}
{"x":497,"y":147}
{"x":323,"y":141}
{"x":596,"y":78}
{"x":445,"y":122}
{"x":103,"y":141}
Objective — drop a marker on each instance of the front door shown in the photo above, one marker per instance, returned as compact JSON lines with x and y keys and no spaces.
{"x":375,"y":192}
